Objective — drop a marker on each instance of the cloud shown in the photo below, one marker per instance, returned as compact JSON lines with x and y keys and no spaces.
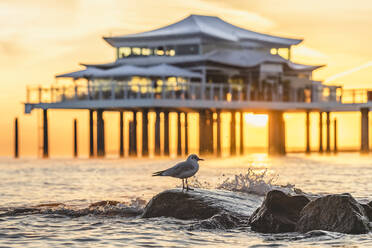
{"x":348,"y":72}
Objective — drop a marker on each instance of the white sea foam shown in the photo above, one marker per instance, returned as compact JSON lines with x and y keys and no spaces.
{"x":258,"y":183}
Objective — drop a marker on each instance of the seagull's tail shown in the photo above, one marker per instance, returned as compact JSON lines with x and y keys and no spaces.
{"x":158,"y":173}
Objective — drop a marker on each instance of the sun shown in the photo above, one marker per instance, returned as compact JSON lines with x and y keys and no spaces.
{"x":258,"y":120}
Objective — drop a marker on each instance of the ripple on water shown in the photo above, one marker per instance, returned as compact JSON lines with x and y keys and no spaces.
{"x":74,"y":184}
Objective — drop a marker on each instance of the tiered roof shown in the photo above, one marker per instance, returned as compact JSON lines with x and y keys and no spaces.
{"x":210,"y":26}
{"x":243,"y":59}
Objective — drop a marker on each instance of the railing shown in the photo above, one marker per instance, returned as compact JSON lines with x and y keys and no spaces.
{"x":356,"y":95}
{"x":170,"y":90}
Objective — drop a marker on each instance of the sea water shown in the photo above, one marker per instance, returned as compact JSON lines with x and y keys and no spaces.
{"x":45,"y":203}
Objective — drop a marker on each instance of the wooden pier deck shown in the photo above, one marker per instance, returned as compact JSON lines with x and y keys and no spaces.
{"x":205,"y":99}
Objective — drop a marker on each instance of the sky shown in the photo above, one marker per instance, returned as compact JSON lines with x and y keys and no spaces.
{"x":42,"y":38}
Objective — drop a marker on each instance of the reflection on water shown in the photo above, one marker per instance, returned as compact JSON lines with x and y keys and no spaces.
{"x":78,"y":183}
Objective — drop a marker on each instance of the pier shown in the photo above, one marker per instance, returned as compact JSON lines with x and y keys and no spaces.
{"x":145,"y":103}
{"x":209,"y":72}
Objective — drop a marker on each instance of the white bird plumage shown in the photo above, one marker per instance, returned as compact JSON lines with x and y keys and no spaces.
{"x":182,"y":170}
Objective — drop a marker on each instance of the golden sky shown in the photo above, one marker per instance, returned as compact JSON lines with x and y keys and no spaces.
{"x":41,"y":38}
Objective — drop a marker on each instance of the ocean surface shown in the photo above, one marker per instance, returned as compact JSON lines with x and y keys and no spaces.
{"x":42,"y":201}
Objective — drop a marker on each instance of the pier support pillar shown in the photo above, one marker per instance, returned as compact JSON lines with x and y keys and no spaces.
{"x":328,"y":148}
{"x":241,"y":133}
{"x":219,"y":153}
{"x":335,"y":146}
{"x":91,"y":139}
{"x":130,"y":135}
{"x":179,"y":135}
{"x":121,"y":134}
{"x":320,"y":132}
{"x":16,"y":139}
{"x":233,"y":134}
{"x":205,"y":131}
{"x":202,"y":137}
{"x":307,"y":132}
{"x":145,"y":133}
{"x":364,"y":144}
{"x":75,"y":139}
{"x":100,"y":134}
{"x":166,"y":133}
{"x":209,"y":131}
{"x":45,"y":134}
{"x":276,"y":133}
{"x":186,"y":134}
{"x":157,"y":133}
{"x":133,"y":135}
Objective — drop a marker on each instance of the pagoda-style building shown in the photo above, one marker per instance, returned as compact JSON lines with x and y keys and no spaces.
{"x":223,"y":54}
{"x":200,"y":63}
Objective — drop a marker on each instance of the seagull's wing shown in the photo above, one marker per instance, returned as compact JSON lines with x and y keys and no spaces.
{"x":176,"y":170}
{"x":179,"y":169}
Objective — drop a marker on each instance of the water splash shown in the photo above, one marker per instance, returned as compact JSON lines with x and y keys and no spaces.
{"x":195,"y":182}
{"x":258,"y":183}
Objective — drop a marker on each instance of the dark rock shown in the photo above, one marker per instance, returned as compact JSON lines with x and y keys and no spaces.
{"x":278,"y":213}
{"x":222,"y":221}
{"x":368,"y":209}
{"x":336,"y":213}
{"x":370,"y":204}
{"x":180,"y":205}
{"x":50,"y":205}
{"x":104,"y":203}
{"x":198,"y":204}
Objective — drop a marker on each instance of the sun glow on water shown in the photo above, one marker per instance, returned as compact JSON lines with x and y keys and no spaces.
{"x":258,"y":120}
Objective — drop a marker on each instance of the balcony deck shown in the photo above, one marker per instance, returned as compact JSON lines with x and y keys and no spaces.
{"x":185,"y":96}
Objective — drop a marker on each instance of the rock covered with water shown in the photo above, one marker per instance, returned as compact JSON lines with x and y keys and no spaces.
{"x":101,"y":208}
{"x":216,"y":209}
{"x":336,"y":213}
{"x":368,"y":209}
{"x":222,"y":221}
{"x":278,"y":213}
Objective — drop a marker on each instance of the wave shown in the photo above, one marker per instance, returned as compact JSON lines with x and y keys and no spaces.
{"x":101,"y":208}
{"x":253,"y":181}
{"x":258,"y":183}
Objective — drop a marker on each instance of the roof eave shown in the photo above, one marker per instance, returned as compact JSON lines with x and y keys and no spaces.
{"x":109,"y":40}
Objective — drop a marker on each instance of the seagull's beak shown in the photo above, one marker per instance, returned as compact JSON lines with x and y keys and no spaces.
{"x":200,"y":159}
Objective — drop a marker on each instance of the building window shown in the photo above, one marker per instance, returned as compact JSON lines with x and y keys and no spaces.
{"x":146,"y":51}
{"x":124,"y":52}
{"x":283,"y":52}
{"x":170,"y":51}
{"x":159,"y":51}
{"x":274,"y":51}
{"x":136,"y":51}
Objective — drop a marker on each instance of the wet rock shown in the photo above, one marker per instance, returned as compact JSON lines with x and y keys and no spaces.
{"x":180,"y":205}
{"x":336,"y":213}
{"x":198,"y":205}
{"x":20,"y":211}
{"x":49,"y":205}
{"x":222,"y":221}
{"x":368,"y":209}
{"x":104,"y":203}
{"x":278,"y":213}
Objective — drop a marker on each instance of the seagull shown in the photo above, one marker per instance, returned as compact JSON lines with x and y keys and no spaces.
{"x":182,"y":170}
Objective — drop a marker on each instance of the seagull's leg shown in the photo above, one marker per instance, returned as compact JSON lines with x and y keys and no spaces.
{"x":187,"y":186}
{"x":183,"y":184}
